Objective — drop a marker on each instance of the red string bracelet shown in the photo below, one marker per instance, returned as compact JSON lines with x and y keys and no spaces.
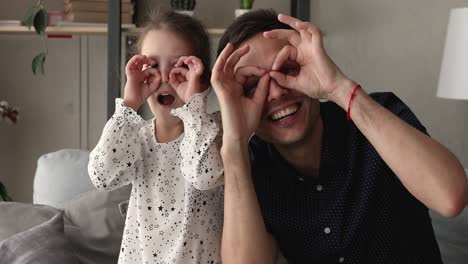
{"x":353,"y":94}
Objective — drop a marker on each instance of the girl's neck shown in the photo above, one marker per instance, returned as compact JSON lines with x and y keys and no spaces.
{"x":167,"y":131}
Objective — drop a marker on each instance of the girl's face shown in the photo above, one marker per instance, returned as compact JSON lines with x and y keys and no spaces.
{"x":165,"y":47}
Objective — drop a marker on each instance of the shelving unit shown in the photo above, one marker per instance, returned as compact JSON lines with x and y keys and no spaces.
{"x":71,"y":30}
{"x":114,"y":31}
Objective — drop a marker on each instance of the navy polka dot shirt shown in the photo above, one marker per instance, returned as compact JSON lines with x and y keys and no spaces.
{"x":356,"y":211}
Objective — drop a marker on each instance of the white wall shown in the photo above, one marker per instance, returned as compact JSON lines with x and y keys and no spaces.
{"x":397,"y":46}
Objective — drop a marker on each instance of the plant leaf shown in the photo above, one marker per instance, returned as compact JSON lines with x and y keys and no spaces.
{"x":40,"y":21}
{"x":28,"y":17}
{"x":38,"y":63}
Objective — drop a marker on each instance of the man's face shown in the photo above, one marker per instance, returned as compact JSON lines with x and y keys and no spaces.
{"x":288,"y":115}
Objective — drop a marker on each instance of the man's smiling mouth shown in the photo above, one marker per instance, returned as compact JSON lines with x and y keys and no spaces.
{"x":283,"y":113}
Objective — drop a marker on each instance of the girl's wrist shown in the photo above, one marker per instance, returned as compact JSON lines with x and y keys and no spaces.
{"x":129,"y":103}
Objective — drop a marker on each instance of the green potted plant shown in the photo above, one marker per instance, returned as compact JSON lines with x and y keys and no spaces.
{"x":36,"y":17}
{"x":185,"y":7}
{"x":245,"y":6}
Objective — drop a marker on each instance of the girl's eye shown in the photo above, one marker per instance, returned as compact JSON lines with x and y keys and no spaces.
{"x":249,"y":89}
{"x":154,"y":66}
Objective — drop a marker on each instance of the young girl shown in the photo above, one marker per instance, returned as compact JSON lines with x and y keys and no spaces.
{"x":175,"y":209}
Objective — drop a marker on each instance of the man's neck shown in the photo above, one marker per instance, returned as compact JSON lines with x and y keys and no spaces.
{"x":304,"y":156}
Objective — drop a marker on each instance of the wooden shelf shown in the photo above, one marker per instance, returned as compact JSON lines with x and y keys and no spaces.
{"x":54,"y":30}
{"x":211,"y":31}
{"x":5,"y":29}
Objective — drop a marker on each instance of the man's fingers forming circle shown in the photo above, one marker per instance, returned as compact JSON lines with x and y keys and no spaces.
{"x":288,"y":52}
{"x":243,"y":73}
{"x":262,"y":90}
{"x":284,"y":80}
{"x":218,"y":68}
{"x":234,"y":59}
{"x":289,"y":35}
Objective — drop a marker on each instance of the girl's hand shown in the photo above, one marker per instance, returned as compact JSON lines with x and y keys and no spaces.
{"x":185,"y":77}
{"x":241,"y":107}
{"x":142,"y":81}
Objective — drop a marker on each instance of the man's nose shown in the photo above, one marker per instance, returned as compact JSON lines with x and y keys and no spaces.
{"x":275,"y":91}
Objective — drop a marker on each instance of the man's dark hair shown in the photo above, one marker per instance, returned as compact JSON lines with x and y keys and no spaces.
{"x":249,"y":25}
{"x":186,"y":27}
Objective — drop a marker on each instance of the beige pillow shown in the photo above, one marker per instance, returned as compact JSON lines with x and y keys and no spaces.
{"x":41,"y":244}
{"x":94,"y":225}
{"x":18,"y":217}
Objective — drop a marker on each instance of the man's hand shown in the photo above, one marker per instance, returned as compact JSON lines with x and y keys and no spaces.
{"x":141,"y":81}
{"x":303,"y":64}
{"x":240,"y":114}
{"x":185,"y":77}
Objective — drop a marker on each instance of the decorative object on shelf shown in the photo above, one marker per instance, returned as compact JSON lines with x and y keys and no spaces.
{"x":4,"y":194}
{"x":8,"y":113}
{"x":185,"y":7}
{"x":245,"y":6}
{"x":85,"y":11}
{"x":37,"y":16}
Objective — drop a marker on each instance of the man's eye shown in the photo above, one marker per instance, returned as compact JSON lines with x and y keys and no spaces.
{"x":290,"y":70}
{"x":249,"y":89}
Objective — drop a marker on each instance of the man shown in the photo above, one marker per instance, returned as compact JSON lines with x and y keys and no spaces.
{"x":347,"y":181}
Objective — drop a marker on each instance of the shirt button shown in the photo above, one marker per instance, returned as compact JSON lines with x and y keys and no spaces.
{"x":341,"y":260}
{"x":327,"y":230}
{"x":300,"y":178}
{"x":319,"y":188}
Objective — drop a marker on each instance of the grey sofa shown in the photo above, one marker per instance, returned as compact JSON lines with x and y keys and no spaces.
{"x":84,"y":225}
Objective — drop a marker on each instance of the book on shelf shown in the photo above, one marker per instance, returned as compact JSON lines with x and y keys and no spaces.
{"x":10,"y":23}
{"x":95,"y":17}
{"x":80,"y":6}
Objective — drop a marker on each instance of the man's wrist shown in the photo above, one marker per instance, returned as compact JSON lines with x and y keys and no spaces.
{"x":342,"y":92}
{"x":233,"y":149}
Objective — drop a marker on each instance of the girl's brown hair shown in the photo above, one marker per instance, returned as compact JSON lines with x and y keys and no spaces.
{"x":189,"y":29}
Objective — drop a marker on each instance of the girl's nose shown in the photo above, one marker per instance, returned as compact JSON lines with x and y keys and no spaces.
{"x":165,"y":75}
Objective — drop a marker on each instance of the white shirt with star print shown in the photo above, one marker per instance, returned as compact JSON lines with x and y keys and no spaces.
{"x":175,"y":211}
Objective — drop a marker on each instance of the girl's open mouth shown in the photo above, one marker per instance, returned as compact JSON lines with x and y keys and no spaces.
{"x":165,"y":99}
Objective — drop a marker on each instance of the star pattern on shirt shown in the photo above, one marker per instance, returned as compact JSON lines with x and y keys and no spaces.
{"x":166,"y":179}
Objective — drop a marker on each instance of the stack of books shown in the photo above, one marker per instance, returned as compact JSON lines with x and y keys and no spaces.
{"x":95,"y":11}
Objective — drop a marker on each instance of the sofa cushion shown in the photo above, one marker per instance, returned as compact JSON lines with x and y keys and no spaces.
{"x":61,"y":176}
{"x":18,"y":217}
{"x":42,"y":244}
{"x":452,"y":237}
{"x":94,"y":224}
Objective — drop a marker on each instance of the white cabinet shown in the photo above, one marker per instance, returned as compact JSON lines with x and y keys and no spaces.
{"x":63,"y":109}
